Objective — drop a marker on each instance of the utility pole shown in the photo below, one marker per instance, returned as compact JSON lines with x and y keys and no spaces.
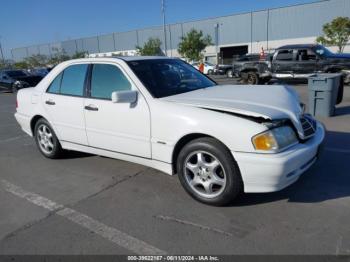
{"x":164,"y":27}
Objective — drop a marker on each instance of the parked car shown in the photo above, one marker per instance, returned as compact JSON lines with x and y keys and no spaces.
{"x":38,"y":71}
{"x":13,"y":80}
{"x":208,"y":67}
{"x":163,"y":113}
{"x":222,"y":69}
{"x":293,"y":62}
{"x":241,"y":61}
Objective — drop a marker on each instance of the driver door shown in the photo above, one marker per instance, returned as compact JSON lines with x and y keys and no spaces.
{"x":118,"y":127}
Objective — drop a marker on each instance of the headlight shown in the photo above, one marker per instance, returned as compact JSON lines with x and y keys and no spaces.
{"x":275,"y":139}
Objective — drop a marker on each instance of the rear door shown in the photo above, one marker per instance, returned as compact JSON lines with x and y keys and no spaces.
{"x":283,"y":64}
{"x":306,"y":62}
{"x":64,"y":103}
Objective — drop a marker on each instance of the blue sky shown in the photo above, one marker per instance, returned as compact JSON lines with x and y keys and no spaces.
{"x":28,"y":22}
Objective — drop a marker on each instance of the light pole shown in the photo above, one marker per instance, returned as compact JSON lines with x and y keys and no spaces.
{"x":217,"y":41}
{"x":2,"y":54}
{"x":164,"y":27}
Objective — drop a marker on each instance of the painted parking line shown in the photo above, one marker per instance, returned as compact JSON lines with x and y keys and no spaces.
{"x":338,"y":150}
{"x":112,"y":234}
{"x":2,"y":141}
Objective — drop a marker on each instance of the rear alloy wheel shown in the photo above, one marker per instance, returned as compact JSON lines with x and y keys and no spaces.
{"x":208,"y":172}
{"x":252,"y":78}
{"x":229,"y":73}
{"x":46,"y":140}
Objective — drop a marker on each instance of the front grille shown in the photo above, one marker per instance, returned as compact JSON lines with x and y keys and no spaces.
{"x":309,"y":126}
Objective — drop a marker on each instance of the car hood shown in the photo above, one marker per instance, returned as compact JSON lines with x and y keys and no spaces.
{"x":340,"y":56}
{"x":271,"y":102}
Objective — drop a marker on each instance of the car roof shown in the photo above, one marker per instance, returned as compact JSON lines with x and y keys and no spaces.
{"x":124,"y":58}
{"x":297,"y":46}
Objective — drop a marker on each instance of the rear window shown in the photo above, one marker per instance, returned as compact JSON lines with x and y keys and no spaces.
{"x":54,"y":88}
{"x":285,"y":55}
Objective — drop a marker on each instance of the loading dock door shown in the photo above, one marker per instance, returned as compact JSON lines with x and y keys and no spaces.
{"x":228,"y":54}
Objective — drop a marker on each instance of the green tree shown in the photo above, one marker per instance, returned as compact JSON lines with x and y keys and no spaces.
{"x":151,"y":47}
{"x":193,"y":44}
{"x":36,"y":60}
{"x":78,"y":55}
{"x":59,"y":56}
{"x":21,"y":65}
{"x":336,"y":33}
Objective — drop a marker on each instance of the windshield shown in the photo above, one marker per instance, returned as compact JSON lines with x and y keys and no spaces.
{"x":15,"y":73}
{"x":167,"y":77}
{"x":322,"y":51}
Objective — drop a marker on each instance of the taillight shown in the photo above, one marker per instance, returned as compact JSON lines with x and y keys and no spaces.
{"x":16,"y":103}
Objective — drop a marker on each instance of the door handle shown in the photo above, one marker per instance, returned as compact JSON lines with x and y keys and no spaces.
{"x":50,"y":102}
{"x":91,"y":108}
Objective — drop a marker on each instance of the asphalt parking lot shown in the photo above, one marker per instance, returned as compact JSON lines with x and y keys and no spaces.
{"x":86,"y":204}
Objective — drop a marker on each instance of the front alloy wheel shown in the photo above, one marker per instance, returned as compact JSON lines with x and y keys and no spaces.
{"x":205,"y":174}
{"x":208,"y":172}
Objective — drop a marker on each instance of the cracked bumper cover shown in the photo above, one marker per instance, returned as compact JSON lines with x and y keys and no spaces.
{"x":262,"y":173}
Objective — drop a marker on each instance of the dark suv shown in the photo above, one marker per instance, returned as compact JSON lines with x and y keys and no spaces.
{"x":13,"y":80}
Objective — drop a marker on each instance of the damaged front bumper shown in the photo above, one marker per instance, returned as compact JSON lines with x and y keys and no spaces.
{"x":263,"y":173}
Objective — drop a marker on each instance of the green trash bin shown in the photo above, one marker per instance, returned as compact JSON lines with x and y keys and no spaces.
{"x":323,"y":93}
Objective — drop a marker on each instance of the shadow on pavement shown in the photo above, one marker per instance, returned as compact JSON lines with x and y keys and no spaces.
{"x":328,"y":179}
{"x":75,"y":154}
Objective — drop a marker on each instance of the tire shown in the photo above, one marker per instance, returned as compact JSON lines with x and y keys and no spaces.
{"x":14,"y":89}
{"x":46,"y":140}
{"x":229,"y":73}
{"x":252,"y":78}
{"x":210,"y":72}
{"x":214,"y":180}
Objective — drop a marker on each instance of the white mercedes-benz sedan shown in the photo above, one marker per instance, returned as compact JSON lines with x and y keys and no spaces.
{"x":161,"y":112}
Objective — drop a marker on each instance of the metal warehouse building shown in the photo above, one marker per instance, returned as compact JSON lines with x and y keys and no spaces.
{"x":232,"y":35}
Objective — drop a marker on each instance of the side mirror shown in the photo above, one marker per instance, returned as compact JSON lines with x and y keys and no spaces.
{"x":129,"y":96}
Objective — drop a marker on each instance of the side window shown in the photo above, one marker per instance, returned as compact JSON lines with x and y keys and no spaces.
{"x":73,"y":80}
{"x":54,"y":87}
{"x":106,"y":79}
{"x":285,"y":55}
{"x":311,"y":55}
{"x":306,"y":55}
